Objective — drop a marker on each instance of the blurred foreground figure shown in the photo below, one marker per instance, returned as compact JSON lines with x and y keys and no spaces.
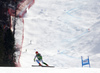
{"x":12,"y":30}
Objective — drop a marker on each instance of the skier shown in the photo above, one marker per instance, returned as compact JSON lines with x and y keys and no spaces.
{"x":39,"y":59}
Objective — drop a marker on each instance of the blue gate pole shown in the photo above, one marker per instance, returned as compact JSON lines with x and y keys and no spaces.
{"x":89,"y":61}
{"x":82,"y":60}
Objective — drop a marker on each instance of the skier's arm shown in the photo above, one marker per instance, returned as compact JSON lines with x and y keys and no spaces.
{"x":34,"y":58}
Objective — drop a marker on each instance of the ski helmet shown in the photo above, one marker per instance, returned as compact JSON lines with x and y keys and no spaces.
{"x":36,"y":52}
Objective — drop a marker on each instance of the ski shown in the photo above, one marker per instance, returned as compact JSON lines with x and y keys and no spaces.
{"x":48,"y":66}
{"x":36,"y":66}
{"x":41,"y":66}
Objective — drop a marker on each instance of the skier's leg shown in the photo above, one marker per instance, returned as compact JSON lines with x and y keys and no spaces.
{"x":38,"y":62}
{"x":44,"y":63}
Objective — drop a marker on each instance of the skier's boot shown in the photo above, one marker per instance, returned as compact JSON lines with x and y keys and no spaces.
{"x":40,"y":64}
{"x":47,"y":65}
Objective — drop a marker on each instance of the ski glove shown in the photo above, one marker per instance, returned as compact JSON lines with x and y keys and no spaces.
{"x":34,"y":59}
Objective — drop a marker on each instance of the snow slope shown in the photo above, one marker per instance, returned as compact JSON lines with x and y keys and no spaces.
{"x":48,"y":70}
{"x":62,"y":31}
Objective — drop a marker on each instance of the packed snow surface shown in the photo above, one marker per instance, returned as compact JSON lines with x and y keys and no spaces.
{"x":48,"y":70}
